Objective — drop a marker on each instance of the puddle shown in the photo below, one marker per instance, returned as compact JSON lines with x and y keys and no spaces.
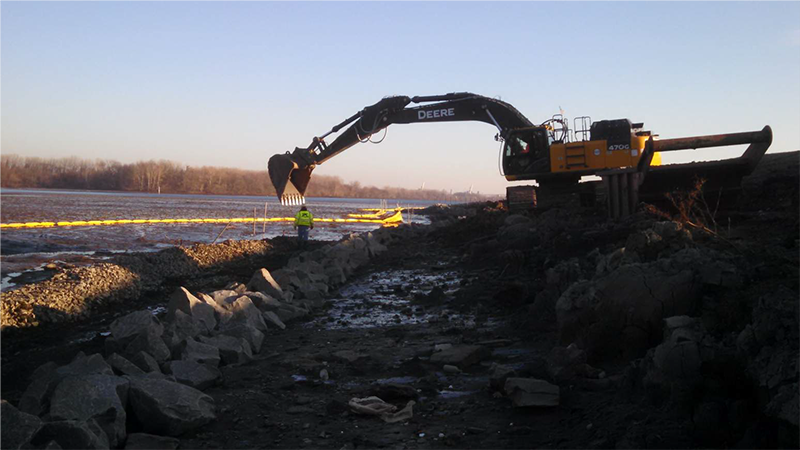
{"x":398,"y":380}
{"x":454,"y":394}
{"x":385,"y":299}
{"x":158,"y":309}
{"x":299,"y":378}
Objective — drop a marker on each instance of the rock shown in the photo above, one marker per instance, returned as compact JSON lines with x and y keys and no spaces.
{"x":451,"y":369}
{"x":620,"y":314}
{"x":202,"y":312}
{"x":499,"y":374}
{"x":440,"y":347}
{"x":192,"y":350}
{"x":17,"y":427}
{"x":122,"y":366}
{"x":784,"y":405}
{"x":567,"y":363}
{"x":531,"y":392}
{"x":150,"y":343}
{"x":185,"y":326}
{"x":262,"y":281}
{"x":219,"y":311}
{"x":144,"y":441}
{"x":231,"y":350}
{"x":243,"y":311}
{"x":147,"y":363}
{"x":99,"y":397}
{"x":273,"y":318}
{"x":127,"y":328}
{"x":71,"y":434}
{"x":192,"y":373}
{"x":220,"y":297}
{"x":36,"y":399}
{"x":461,"y":356}
{"x":253,"y":337}
{"x":290,"y":312}
{"x":168,"y":408}
{"x":237,"y":287}
{"x":263,"y":302}
{"x":336,"y":275}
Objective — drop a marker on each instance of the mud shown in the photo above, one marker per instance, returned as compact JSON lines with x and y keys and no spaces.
{"x":465,"y":280}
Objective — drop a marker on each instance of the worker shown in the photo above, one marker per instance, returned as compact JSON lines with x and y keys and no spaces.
{"x":303,"y":222}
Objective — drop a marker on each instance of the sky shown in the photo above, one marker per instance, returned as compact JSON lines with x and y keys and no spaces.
{"x":231,"y":84}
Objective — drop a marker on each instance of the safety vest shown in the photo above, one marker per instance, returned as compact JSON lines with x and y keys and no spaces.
{"x":303,"y":219}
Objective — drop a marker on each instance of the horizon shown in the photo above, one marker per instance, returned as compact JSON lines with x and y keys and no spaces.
{"x":231,"y":84}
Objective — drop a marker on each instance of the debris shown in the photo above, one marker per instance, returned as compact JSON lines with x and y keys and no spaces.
{"x":374,"y":406}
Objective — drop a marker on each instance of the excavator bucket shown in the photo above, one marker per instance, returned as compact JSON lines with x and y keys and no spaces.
{"x":290,"y":181}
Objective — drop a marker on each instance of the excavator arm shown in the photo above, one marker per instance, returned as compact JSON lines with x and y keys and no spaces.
{"x":290,"y":173}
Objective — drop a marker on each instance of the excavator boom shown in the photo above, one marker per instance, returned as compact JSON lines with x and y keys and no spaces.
{"x":291,"y":172}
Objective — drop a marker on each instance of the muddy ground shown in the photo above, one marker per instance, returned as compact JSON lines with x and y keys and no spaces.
{"x":439,"y":285}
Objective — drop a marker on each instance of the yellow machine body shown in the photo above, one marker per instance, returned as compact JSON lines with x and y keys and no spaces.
{"x":581,"y":156}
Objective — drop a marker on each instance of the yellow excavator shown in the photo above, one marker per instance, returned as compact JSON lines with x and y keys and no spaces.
{"x":622,"y":153}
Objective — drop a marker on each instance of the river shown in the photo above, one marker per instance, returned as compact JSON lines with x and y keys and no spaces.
{"x":26,"y":251}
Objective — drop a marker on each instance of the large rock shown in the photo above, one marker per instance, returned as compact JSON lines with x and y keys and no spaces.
{"x":144,"y":441}
{"x":232,"y":350}
{"x":129,"y":327}
{"x":150,"y":343}
{"x":146,"y":362}
{"x":461,"y":355}
{"x":219,"y":311}
{"x":498,"y":376}
{"x":253,"y":337}
{"x":17,"y":427}
{"x":168,"y":408}
{"x":99,"y":397}
{"x":191,"y":350}
{"x":262,"y":281}
{"x":274,"y":319}
{"x":201,"y":311}
{"x":194,"y":374}
{"x":785,"y":404}
{"x":220,"y":297}
{"x":71,"y":434}
{"x":263,"y":301}
{"x":621,"y":314}
{"x":122,"y":366}
{"x":532,"y":392}
{"x":243,"y":311}
{"x":36,"y":399}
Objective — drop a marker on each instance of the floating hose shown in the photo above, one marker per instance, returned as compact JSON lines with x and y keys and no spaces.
{"x":392,"y":220}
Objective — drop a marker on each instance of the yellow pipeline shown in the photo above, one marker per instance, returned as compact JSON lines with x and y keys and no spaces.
{"x":394,"y":219}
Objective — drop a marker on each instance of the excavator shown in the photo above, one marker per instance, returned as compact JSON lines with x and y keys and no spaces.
{"x":622,"y":153}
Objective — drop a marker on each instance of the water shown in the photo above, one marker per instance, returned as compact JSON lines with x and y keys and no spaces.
{"x":23,"y":251}
{"x":385,"y":299}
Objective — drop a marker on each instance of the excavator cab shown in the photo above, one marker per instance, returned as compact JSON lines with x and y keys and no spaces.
{"x":526,"y":151}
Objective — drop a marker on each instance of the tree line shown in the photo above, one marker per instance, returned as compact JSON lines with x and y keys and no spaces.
{"x":174,"y":178}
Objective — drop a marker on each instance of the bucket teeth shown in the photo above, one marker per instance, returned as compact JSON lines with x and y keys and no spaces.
{"x":293,"y":200}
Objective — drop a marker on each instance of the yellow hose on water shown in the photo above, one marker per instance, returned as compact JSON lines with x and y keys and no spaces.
{"x":392,"y":220}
